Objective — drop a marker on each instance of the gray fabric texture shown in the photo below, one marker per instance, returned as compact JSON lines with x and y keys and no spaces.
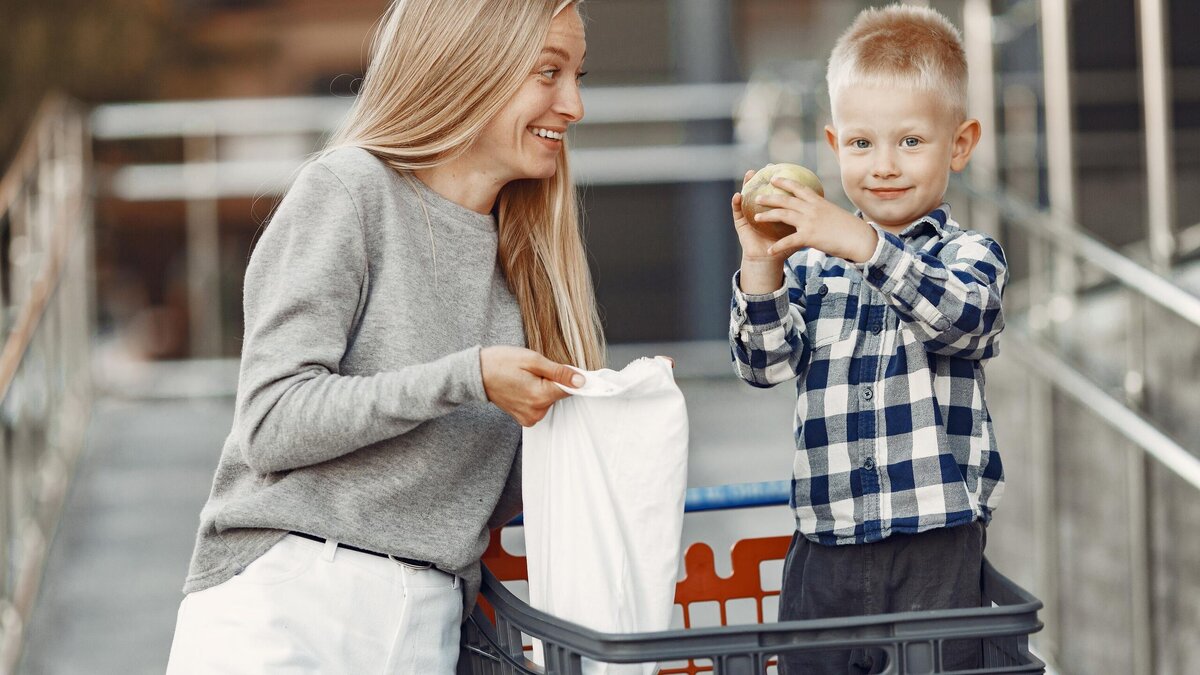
{"x":360,"y":413}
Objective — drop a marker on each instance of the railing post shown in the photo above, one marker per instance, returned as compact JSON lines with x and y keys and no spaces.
{"x":1154,"y":38}
{"x":203,"y":242}
{"x":1056,"y":65}
{"x":977,"y":39}
{"x":1021,"y":174}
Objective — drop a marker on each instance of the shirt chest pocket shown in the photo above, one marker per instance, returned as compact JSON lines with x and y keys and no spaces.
{"x":833,"y":309}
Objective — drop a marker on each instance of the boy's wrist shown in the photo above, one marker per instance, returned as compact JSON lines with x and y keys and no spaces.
{"x":760,"y":276}
{"x":848,"y":237}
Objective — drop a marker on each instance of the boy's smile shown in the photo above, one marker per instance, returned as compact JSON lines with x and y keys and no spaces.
{"x":896,"y":148}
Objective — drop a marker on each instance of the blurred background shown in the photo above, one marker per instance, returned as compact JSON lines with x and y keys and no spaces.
{"x":143,"y":143}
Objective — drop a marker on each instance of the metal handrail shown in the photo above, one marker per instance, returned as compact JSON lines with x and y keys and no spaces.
{"x":1134,"y":427}
{"x":289,"y":115}
{"x":1073,"y":239}
{"x":44,"y":388}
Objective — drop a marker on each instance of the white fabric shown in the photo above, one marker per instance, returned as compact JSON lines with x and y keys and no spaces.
{"x":604,"y":482}
{"x":307,"y":607}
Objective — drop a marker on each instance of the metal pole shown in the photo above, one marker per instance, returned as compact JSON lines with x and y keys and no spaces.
{"x":1156,"y":106}
{"x":203,"y":243}
{"x":703,"y":52}
{"x":1153,"y":38}
{"x":1141,"y":613}
{"x":1021,"y":158}
{"x":1056,"y":64}
{"x":977,"y":39}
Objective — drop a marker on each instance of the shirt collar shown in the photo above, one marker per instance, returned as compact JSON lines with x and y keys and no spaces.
{"x":936,"y":219}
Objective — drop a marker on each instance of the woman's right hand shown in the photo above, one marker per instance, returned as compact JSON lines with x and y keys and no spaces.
{"x":521,"y":382}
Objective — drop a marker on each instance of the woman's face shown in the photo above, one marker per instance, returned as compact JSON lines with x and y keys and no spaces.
{"x":525,"y":138}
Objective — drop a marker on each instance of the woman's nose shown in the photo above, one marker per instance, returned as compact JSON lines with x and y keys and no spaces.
{"x":570,"y":102}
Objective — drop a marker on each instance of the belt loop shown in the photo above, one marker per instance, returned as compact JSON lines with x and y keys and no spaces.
{"x":330,"y":550}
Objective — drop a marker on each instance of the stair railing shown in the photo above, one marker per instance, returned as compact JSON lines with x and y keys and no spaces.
{"x":45,"y":291}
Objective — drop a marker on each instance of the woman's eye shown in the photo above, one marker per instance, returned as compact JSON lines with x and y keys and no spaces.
{"x":911,"y":142}
{"x":549,"y":73}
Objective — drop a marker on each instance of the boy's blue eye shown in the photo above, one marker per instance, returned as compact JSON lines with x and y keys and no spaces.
{"x":911,"y":142}
{"x":861,"y":144}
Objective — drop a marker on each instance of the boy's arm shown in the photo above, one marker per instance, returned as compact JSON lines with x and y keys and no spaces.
{"x":950,"y":299}
{"x":766,"y":315}
{"x":767,"y":336}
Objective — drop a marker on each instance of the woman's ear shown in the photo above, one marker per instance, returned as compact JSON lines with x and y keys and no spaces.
{"x":965,"y":140}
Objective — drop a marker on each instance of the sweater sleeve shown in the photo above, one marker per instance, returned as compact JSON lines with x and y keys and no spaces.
{"x":305,"y":284}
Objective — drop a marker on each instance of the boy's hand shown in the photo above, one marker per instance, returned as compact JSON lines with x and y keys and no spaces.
{"x":755,"y":246}
{"x":819,"y":224}
{"x":761,"y":269}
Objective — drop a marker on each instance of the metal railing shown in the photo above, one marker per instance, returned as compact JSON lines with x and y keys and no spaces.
{"x":252,"y":148}
{"x":1055,"y":359}
{"x":45,"y":279}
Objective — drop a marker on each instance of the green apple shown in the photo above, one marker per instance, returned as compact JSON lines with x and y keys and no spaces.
{"x":760,"y":185}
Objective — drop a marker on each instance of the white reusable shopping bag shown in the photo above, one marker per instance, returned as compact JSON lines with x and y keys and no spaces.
{"x":604,"y":483}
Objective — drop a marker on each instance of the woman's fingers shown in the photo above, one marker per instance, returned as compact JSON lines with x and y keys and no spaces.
{"x":522,"y":382}
{"x":556,"y":372}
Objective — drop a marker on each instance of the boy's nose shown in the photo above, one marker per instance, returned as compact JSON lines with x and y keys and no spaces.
{"x":885,"y":166}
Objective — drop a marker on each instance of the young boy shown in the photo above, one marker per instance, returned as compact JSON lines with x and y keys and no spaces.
{"x":886,"y":317}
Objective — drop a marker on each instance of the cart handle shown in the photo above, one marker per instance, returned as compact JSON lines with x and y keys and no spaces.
{"x":730,"y":496}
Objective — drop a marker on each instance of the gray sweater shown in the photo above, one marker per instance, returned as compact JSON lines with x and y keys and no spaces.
{"x":360,"y":413}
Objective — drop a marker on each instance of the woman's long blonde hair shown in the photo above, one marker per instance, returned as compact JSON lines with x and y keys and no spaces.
{"x":440,"y":70}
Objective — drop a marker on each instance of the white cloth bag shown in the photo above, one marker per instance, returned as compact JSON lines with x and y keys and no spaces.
{"x":604,"y":483}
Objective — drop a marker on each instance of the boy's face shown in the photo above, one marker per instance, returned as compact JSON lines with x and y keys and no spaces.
{"x":896,"y":148}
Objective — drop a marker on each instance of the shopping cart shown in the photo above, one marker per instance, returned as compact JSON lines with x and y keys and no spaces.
{"x":497,"y":635}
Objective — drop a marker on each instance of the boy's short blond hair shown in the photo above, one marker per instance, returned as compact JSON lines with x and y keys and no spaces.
{"x":905,"y":46}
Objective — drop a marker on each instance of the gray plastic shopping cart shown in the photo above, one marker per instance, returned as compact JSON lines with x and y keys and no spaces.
{"x":496,"y":637}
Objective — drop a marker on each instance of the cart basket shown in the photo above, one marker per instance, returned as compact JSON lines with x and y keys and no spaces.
{"x":910,"y":640}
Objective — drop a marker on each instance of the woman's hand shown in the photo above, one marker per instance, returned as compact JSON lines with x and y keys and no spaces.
{"x":521,"y":382}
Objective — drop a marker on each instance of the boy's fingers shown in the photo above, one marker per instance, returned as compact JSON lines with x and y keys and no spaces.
{"x":749,"y":174}
{"x":790,"y":242}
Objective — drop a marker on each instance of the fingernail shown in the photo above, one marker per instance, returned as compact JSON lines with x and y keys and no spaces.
{"x":577,"y":381}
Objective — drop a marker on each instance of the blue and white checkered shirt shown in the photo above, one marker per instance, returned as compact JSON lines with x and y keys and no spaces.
{"x":892,"y":431}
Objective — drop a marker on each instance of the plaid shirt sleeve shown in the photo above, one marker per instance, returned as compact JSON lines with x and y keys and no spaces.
{"x":948,"y":294}
{"x":767,"y":333}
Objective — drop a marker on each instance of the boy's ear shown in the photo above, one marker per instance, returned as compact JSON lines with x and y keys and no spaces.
{"x":831,"y":138}
{"x":965,"y":140}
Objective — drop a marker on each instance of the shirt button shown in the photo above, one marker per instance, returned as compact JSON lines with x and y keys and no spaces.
{"x":869,"y":464}
{"x":876,"y":328}
{"x":823,"y":290}
{"x":867,"y":393}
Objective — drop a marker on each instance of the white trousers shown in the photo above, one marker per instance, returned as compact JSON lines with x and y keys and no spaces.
{"x":308,"y":607}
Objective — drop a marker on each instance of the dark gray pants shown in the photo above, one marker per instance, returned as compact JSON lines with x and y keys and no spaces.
{"x":938,"y":569}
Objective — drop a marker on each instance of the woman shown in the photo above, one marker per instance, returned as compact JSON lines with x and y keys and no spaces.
{"x":382,"y":379}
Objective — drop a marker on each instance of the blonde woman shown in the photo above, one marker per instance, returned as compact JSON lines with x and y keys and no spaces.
{"x":384,"y":374}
